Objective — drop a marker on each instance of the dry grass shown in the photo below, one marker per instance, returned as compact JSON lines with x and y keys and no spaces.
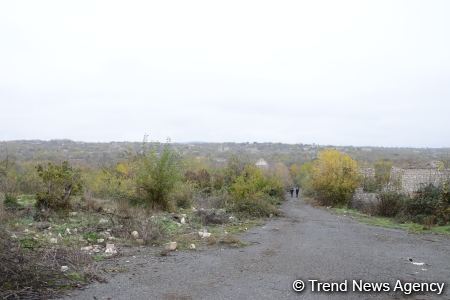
{"x":26,"y":274}
{"x":137,"y":219}
{"x":2,"y":211}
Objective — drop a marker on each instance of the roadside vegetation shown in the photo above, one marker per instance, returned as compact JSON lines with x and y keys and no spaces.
{"x":60,"y":221}
{"x":333,"y":177}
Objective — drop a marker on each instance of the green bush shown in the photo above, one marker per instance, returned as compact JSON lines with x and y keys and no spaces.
{"x":117,"y":183}
{"x":10,"y":201}
{"x":369,"y":184}
{"x":182,"y":194}
{"x":304,"y":178}
{"x":157,"y":177}
{"x":259,"y":205}
{"x":201,"y":178}
{"x":429,"y":204}
{"x":60,"y":182}
{"x":254,"y":193}
{"x":234,"y":168}
{"x":390,"y":204}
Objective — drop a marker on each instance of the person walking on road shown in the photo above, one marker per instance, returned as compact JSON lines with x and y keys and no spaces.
{"x":292,"y":192}
{"x":297,"y":189}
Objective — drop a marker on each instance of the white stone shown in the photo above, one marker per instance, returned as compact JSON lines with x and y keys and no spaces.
{"x":100,"y":241}
{"x":183,"y":220}
{"x":87,"y":248}
{"x":64,"y":268}
{"x":171,"y":246}
{"x":135,"y":234}
{"x":204,"y":234}
{"x":192,"y":246}
{"x":54,"y":241}
{"x":103,"y":221}
{"x":73,"y":213}
{"x":110,"y":249}
{"x":68,"y":231}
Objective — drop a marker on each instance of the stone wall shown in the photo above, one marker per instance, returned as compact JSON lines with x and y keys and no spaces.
{"x":411,"y":180}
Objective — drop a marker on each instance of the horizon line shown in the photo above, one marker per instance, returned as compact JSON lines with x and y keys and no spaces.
{"x":224,"y":142}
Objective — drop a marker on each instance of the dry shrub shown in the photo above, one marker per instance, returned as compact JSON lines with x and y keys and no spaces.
{"x":390,"y":204}
{"x":123,"y":208}
{"x":218,"y":200}
{"x":28,"y":274}
{"x":182,"y":195}
{"x":2,"y":211}
{"x":151,"y":230}
{"x":90,"y":204}
{"x":130,"y":219}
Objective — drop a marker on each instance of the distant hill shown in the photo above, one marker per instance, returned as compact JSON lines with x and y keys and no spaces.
{"x":85,"y":153}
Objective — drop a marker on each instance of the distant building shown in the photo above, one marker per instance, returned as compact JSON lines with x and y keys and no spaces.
{"x":261,"y":163}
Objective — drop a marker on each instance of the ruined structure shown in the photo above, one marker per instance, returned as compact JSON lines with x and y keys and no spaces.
{"x":411,"y":180}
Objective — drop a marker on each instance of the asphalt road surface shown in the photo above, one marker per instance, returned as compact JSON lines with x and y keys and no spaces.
{"x":308,"y":243}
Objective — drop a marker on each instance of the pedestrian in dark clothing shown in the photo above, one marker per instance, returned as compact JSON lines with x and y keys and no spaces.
{"x":292,"y":192}
{"x":296,"y":191}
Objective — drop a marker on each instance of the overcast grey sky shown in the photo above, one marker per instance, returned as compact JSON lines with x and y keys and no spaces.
{"x":327,"y":72}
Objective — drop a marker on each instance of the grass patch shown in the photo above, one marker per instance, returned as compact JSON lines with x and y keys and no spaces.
{"x":91,"y":236}
{"x":26,"y":200}
{"x":28,"y":243}
{"x":391,"y":223}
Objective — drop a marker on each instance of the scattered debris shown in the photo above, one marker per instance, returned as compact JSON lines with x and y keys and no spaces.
{"x":204,"y":234}
{"x":103,"y":221}
{"x":171,"y":246}
{"x":415,"y":263}
{"x":110,"y":249}
{"x":64,"y":268}
{"x":87,"y":248}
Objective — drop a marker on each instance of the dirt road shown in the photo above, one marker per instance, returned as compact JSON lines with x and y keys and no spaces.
{"x":308,"y":243}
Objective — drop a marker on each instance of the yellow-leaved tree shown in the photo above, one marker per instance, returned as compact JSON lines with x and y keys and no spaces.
{"x":335,"y":177}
